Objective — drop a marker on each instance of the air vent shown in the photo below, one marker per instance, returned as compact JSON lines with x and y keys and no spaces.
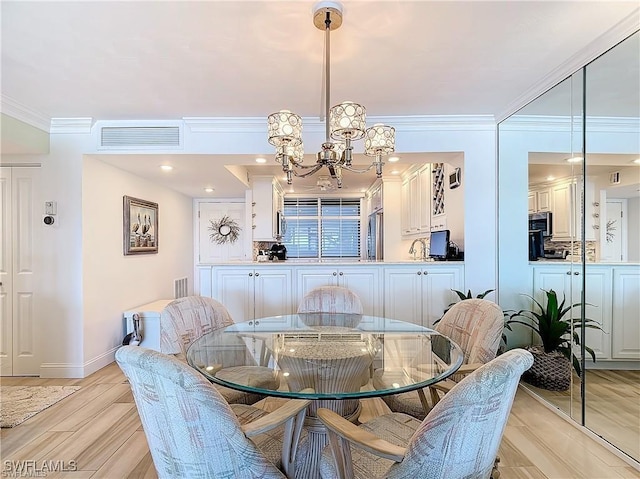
{"x":121,"y":137}
{"x":614,"y":178}
{"x":180,"y":288}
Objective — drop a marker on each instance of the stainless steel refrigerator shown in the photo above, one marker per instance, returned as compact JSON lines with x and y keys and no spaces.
{"x":375,"y":235}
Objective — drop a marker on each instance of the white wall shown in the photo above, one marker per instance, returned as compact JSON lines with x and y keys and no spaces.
{"x":83,"y":282}
{"x":112,"y":282}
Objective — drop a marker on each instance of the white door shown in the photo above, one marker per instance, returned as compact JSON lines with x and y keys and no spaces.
{"x":214,"y":247}
{"x":613,"y":238}
{"x":18,"y":355}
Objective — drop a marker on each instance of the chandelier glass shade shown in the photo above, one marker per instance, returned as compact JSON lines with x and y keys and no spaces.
{"x":345,"y":122}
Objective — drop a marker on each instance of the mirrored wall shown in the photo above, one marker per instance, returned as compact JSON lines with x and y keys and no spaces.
{"x":569,"y":171}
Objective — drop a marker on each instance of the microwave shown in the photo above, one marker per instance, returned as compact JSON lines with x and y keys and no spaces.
{"x":541,"y":221}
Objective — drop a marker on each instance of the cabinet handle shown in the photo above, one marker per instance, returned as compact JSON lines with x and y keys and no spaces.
{"x":257,"y":274}
{"x":569,"y":273}
{"x":334,"y":273}
{"x":419,"y":273}
{"x":253,"y":227}
{"x":251,"y":274}
{"x":425,"y":273}
{"x":576,"y":273}
{"x":341,"y":273}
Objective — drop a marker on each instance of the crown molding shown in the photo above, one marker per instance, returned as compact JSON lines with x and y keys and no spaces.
{"x":315,"y":125}
{"x":23,"y":113}
{"x":623,"y":29}
{"x":541,"y":123}
{"x":71,"y":125}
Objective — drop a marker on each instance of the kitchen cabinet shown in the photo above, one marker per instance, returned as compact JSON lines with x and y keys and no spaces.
{"x":562,"y":208}
{"x":416,"y":202}
{"x":268,"y":201}
{"x":565,"y":203}
{"x":625,"y":330}
{"x":253,"y":292}
{"x":539,"y":200}
{"x":364,"y":281}
{"x":420,"y":293}
{"x":566,"y":280}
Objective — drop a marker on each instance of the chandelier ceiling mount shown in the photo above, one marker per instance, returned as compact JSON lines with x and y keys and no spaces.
{"x":344,"y":123}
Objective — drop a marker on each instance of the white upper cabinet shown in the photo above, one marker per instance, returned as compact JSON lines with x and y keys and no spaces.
{"x":268,"y":199}
{"x":417,"y":202}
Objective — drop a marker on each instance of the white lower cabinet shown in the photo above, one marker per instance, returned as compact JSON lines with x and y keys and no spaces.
{"x":420,"y":293}
{"x":625,"y":334}
{"x":566,"y":281}
{"x":364,"y":281}
{"x":253,"y":292}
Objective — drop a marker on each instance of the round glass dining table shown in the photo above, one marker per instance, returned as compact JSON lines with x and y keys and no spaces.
{"x":328,"y":358}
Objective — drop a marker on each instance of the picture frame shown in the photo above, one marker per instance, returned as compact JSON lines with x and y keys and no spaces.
{"x":140,"y":226}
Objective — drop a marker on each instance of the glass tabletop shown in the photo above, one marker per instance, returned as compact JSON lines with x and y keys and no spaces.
{"x":333,"y":354}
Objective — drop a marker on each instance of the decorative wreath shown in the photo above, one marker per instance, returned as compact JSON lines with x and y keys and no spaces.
{"x":225,"y":230}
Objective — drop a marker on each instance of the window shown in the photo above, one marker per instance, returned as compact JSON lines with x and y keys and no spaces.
{"x":322,"y":227}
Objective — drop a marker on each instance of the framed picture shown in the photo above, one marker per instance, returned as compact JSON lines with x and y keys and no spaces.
{"x":140,"y":226}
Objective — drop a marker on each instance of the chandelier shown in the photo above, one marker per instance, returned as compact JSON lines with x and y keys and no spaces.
{"x":344,"y":123}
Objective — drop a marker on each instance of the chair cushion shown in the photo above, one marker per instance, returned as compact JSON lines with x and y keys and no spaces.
{"x":397,"y":428}
{"x":257,"y":376}
{"x":407,"y":403}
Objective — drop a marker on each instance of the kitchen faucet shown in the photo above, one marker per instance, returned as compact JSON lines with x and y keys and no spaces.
{"x":412,"y":250}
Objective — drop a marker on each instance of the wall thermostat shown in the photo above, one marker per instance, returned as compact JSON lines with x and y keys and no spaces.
{"x":454,"y":179}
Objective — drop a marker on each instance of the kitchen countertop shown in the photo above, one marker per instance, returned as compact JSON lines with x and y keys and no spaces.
{"x":315,"y":262}
{"x":546,"y":261}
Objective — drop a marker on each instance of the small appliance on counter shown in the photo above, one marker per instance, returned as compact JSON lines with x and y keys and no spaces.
{"x":278,"y":252}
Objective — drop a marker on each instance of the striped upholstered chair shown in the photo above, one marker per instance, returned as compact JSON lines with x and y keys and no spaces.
{"x":186,"y":319}
{"x":330,"y":299}
{"x":476,"y":325}
{"x":193,"y":432}
{"x":458,"y":439}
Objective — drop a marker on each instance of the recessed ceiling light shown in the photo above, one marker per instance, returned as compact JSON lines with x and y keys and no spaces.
{"x":393,"y":159}
{"x":166,"y":167}
{"x":636,"y":161}
{"x":395,"y":172}
{"x":550,"y":178}
{"x":209,"y":189}
{"x":261,"y":160}
{"x":575,"y":159}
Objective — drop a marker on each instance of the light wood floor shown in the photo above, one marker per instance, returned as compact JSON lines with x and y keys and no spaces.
{"x":612,"y":405}
{"x":98,"y":427}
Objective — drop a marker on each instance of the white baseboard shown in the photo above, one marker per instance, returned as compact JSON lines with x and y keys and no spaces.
{"x":77,"y":371}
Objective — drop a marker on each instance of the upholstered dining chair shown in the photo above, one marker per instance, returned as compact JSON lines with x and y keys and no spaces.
{"x":458,"y":439}
{"x":193,"y":432}
{"x":186,"y":319}
{"x":330,"y":299}
{"x":476,"y":325}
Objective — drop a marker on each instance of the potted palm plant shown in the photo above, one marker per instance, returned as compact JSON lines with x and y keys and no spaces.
{"x":556,"y":329}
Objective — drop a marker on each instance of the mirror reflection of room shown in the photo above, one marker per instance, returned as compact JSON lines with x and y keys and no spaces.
{"x":583,"y":223}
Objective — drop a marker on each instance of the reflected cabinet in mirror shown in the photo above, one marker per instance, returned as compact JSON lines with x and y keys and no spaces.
{"x":569,"y":222}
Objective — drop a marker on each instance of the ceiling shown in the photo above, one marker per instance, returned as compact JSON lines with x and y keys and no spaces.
{"x":167,"y":60}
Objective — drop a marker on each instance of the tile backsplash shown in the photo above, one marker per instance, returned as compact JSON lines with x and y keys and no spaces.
{"x":573,"y":248}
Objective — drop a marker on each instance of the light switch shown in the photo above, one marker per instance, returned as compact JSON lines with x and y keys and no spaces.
{"x":50,"y":207}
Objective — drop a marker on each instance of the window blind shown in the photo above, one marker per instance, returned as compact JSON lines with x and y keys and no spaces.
{"x":322,"y":227}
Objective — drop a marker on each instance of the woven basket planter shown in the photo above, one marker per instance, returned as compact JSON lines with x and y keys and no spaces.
{"x":551,"y":371}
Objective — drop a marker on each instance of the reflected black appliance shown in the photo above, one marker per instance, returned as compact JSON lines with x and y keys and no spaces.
{"x":541,"y":221}
{"x":278,"y":252}
{"x":439,"y":244}
{"x":536,"y":244}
